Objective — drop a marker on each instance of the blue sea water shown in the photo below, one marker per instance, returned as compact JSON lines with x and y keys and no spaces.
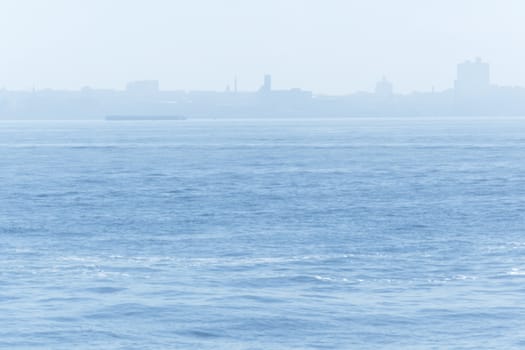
{"x":263,"y":234}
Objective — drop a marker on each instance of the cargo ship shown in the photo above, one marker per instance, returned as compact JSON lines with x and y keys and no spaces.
{"x":119,"y":118}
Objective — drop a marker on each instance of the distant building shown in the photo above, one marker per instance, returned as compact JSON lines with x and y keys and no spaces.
{"x":267,"y":86}
{"x":292,"y":97}
{"x":384,"y":88}
{"x":143,"y":87}
{"x":473,"y":78}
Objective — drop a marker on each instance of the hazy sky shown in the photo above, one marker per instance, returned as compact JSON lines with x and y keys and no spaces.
{"x":332,"y":46}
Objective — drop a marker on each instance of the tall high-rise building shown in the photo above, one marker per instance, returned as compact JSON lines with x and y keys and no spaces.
{"x":473,"y":78}
{"x":267,"y":87}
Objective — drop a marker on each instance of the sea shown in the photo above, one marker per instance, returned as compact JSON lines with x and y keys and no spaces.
{"x":362,"y":233}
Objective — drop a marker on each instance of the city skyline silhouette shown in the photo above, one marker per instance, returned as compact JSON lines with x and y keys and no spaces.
{"x":333,"y":48}
{"x":471,"y":93}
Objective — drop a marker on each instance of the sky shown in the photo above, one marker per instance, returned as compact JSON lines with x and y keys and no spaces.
{"x":327,"y":46}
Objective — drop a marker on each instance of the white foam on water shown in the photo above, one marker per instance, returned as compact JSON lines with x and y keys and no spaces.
{"x":516,"y":272}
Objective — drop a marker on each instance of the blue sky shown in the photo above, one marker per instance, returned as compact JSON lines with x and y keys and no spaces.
{"x":332,"y":46}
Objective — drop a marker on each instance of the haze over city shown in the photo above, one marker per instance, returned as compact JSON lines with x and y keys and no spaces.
{"x":332,"y":47}
{"x":262,"y":174}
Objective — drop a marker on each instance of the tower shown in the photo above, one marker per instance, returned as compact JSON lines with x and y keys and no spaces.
{"x":384,"y":88}
{"x":267,"y":86}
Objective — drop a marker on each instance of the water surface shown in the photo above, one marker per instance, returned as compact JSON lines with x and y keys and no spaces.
{"x":252,"y":234}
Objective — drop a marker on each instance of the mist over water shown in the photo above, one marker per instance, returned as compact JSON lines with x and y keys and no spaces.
{"x":263,"y":234}
{"x":262,"y":174}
